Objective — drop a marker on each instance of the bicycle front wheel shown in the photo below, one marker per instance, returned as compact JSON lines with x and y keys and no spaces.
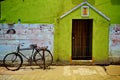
{"x":39,"y":60}
{"x":12,"y":61}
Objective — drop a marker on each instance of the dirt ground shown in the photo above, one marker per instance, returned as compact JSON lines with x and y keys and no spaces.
{"x":79,"y":72}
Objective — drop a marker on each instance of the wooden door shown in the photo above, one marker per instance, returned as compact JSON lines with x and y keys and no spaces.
{"x":82,"y":39}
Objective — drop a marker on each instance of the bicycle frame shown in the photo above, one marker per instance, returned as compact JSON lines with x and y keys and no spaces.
{"x":30,"y":57}
{"x":38,"y":54}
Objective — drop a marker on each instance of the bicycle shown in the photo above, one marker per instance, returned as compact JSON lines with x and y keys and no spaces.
{"x":40,"y":55}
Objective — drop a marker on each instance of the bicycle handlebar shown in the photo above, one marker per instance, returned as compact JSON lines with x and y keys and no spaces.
{"x":18,"y":47}
{"x":20,"y":44}
{"x":32,"y":46}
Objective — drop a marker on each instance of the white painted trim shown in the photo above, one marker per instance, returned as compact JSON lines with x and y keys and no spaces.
{"x":99,"y":12}
{"x":85,"y":2}
{"x":72,"y":10}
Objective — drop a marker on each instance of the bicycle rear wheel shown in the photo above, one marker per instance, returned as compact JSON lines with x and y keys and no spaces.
{"x":12,"y":61}
{"x":39,"y":60}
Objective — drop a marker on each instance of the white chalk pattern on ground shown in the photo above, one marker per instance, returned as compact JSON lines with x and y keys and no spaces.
{"x":68,"y":71}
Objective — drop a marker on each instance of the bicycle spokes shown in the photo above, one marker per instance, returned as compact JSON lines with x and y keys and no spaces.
{"x":43,"y":61}
{"x":12,"y":61}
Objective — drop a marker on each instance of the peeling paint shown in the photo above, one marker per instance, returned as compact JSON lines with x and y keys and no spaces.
{"x":114,"y":45}
{"x":39,"y":34}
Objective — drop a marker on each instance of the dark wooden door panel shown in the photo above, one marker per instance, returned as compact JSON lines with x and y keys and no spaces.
{"x":82,"y":38}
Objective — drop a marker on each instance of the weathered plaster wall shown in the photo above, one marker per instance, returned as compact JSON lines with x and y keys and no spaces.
{"x":26,"y":34}
{"x":49,"y":11}
{"x":114,"y":43}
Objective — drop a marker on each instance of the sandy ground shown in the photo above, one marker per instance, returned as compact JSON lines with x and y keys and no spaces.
{"x":81,"y":72}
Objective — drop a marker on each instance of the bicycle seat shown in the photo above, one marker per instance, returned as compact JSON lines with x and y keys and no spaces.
{"x":44,"y":47}
{"x":33,"y":45}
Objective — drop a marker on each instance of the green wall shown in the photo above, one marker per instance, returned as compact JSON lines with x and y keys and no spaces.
{"x":49,"y":11}
{"x":99,"y":40}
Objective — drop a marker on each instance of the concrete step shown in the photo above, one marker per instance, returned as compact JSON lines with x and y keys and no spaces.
{"x":81,"y":62}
